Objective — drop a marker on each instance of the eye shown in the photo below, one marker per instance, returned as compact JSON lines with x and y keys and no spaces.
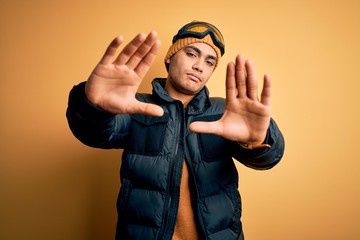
{"x":191,"y":54}
{"x":210,"y":63}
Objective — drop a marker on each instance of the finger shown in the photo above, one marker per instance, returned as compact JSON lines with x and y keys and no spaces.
{"x":231,"y":90}
{"x":148,"y":109}
{"x":266,"y":91}
{"x":205,"y":127}
{"x":142,"y":50}
{"x":111,"y":50}
{"x":240,"y":75}
{"x":148,"y":60}
{"x":251,"y":83}
{"x":130,"y":49}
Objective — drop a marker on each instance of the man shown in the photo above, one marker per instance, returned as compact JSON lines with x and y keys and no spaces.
{"x":178,"y":178}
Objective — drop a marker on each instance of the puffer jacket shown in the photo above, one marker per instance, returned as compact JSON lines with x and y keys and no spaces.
{"x":154,"y":151}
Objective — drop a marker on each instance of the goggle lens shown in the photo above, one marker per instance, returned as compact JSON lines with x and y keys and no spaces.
{"x":210,"y":29}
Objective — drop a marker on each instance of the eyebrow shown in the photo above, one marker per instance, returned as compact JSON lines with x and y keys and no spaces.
{"x":200,"y":52}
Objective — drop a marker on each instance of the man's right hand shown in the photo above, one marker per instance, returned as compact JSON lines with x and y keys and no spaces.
{"x":114,"y":82}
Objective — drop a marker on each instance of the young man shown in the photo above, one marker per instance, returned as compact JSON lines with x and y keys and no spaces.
{"x":178,"y":178}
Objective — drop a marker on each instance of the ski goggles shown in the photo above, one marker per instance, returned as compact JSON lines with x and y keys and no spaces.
{"x":210,"y":29}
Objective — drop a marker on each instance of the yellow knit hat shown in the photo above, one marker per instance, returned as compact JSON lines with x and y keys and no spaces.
{"x":196,"y":32}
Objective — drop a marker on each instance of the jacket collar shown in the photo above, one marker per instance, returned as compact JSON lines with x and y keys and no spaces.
{"x":197,"y":105}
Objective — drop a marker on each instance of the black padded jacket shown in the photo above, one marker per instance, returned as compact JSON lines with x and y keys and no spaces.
{"x":154,"y":151}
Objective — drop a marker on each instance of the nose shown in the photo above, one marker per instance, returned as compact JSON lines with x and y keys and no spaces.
{"x":198,"y":66}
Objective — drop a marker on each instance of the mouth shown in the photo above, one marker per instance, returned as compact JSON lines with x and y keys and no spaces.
{"x":194,"y":77}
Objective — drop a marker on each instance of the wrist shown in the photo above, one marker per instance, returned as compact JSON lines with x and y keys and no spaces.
{"x":254,"y":146}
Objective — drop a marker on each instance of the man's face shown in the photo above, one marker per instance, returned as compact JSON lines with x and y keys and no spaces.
{"x":190,"y":69}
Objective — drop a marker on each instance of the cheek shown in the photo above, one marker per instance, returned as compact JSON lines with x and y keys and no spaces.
{"x":207,"y":75}
{"x":177,"y":67}
{"x":173,"y":71}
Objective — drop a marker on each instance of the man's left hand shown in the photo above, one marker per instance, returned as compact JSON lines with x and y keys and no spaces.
{"x":246,"y":117}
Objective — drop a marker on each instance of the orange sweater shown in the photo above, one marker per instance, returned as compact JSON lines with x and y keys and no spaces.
{"x":185,"y":228}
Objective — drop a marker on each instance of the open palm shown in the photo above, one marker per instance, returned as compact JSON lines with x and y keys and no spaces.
{"x":114,"y":82}
{"x":246,"y":118}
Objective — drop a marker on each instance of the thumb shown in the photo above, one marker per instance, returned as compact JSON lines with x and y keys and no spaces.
{"x":149,"y":109}
{"x":205,"y":127}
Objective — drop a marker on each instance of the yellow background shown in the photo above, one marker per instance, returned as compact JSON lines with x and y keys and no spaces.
{"x":53,"y":187}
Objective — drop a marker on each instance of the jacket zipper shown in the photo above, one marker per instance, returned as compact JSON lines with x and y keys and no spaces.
{"x":191,"y":170}
{"x":169,"y":212}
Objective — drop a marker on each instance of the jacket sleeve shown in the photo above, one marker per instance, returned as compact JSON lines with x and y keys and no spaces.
{"x":93,"y":126}
{"x":264,"y":158}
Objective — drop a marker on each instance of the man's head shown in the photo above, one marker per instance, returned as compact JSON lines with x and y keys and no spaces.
{"x":191,"y":59}
{"x":197,"y":32}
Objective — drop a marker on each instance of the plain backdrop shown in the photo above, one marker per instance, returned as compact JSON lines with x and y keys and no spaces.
{"x":54,"y":187}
